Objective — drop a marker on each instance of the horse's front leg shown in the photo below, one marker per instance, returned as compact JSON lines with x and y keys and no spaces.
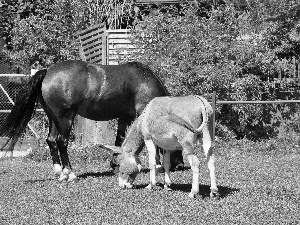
{"x":152,"y":165}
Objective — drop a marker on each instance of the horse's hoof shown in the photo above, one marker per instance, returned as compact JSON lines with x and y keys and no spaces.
{"x":57,"y":169}
{"x":62,"y":177}
{"x":72,"y":178}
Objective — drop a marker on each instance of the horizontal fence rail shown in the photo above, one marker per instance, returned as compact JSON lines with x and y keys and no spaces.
{"x":215,"y":102}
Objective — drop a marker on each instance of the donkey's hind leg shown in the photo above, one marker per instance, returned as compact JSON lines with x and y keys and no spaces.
{"x":64,"y":129}
{"x":208,"y":150}
{"x":51,"y":141}
{"x":188,"y":150}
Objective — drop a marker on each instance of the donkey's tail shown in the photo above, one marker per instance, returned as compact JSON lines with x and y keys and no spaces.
{"x":205,"y":113}
{"x":23,"y":110}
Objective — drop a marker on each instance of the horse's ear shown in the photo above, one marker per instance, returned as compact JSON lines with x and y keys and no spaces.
{"x":112,"y":148}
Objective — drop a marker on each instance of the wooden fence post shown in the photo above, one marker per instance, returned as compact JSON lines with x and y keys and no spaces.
{"x":214,"y":114}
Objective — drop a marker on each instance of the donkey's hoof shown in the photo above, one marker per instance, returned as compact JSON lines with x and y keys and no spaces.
{"x":214,"y":194}
{"x":159,"y":169}
{"x":167,"y":187}
{"x":149,"y":187}
{"x":192,"y":195}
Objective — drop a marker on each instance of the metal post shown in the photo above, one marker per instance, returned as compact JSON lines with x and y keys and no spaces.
{"x":214,"y":115}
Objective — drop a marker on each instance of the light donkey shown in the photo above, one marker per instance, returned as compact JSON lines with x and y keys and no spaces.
{"x":169,"y":122}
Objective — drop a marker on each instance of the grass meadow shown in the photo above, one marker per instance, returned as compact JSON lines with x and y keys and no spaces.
{"x":259,"y":183}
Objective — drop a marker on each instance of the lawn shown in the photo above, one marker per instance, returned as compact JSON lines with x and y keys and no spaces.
{"x":259,"y":183}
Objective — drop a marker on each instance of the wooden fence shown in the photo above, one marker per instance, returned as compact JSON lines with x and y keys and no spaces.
{"x":93,"y":44}
{"x":102,"y":46}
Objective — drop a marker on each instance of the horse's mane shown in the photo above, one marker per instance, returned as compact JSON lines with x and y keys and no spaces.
{"x":146,"y":67}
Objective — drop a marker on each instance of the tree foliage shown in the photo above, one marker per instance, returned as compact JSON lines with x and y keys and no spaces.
{"x":227,"y":51}
{"x":47,"y":31}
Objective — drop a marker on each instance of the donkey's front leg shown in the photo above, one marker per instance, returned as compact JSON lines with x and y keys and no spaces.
{"x":167,"y":164}
{"x":152,"y":165}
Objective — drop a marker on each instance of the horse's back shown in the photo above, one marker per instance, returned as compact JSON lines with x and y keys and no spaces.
{"x":101,"y":92}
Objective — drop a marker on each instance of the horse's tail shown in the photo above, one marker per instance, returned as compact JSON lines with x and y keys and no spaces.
{"x":23,"y":110}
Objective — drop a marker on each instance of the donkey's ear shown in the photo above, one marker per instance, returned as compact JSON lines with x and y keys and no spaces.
{"x":111,"y":148}
{"x":139,"y":166}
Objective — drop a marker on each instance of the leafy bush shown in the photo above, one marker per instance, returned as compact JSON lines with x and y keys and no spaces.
{"x":221,"y":52}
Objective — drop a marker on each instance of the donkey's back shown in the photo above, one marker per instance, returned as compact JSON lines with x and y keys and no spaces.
{"x":170,"y":120}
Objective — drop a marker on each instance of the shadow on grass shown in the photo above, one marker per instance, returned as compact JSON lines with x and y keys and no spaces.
{"x":204,"y":190}
{"x":33,"y":181}
{"x":97,"y":174}
{"x":147,"y":170}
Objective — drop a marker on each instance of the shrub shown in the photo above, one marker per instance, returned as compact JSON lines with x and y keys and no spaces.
{"x":220,"y":52}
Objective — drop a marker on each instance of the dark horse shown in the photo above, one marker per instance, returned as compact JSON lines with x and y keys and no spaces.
{"x":92,"y":91}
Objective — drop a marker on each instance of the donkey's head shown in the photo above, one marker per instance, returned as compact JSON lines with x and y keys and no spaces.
{"x":130,"y":166}
{"x":126,"y":163}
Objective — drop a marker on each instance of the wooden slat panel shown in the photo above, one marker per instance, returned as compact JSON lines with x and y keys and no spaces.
{"x":119,"y":52}
{"x":142,"y":2}
{"x":91,"y":40}
{"x":94,"y":54}
{"x":113,"y":62}
{"x":90,"y":51}
{"x":117,"y":46}
{"x":93,"y":27}
{"x":96,"y":61}
{"x":85,"y":34}
{"x":122,"y":41}
{"x":92,"y":45}
{"x":118,"y":31}
{"x":118,"y":36}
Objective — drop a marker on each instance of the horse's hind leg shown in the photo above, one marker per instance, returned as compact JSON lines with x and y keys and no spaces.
{"x":64,"y":129}
{"x":51,"y":141}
